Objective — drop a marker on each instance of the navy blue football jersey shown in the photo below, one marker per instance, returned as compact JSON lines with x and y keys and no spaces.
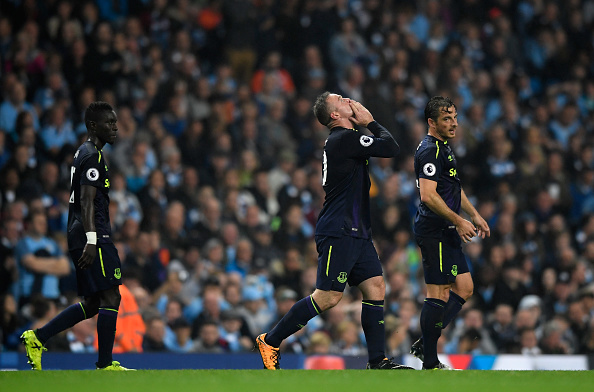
{"x":435,"y":161}
{"x":89,"y":168}
{"x":345,"y":178}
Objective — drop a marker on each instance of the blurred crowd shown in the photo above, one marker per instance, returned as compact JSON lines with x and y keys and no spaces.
{"x":216,"y":172}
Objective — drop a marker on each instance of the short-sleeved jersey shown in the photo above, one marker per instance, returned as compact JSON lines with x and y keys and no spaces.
{"x":345,"y":178}
{"x":435,"y":161}
{"x":89,"y":168}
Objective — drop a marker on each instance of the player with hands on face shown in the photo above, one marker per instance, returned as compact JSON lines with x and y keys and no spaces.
{"x":343,"y":231}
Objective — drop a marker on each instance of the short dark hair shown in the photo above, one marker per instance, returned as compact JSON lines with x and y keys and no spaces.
{"x":95,"y":110}
{"x":321,"y":109}
{"x":436,"y":105}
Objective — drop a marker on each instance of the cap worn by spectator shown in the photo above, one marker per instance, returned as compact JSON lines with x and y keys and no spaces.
{"x":527,"y":217}
{"x":316,"y":73}
{"x":529,"y":301}
{"x":251,"y":293}
{"x":287,"y":156}
{"x":212,"y":281}
{"x":211,"y":244}
{"x":230,"y":314}
{"x":220,"y":153}
{"x":179,"y":323}
{"x":563,"y":277}
{"x":286,"y":294}
{"x":259,"y":263}
{"x":262,"y":228}
{"x":587,"y":291}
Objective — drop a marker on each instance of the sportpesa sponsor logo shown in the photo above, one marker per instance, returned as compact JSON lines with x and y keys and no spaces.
{"x":429,"y":169}
{"x":93,"y":174}
{"x":365,"y":140}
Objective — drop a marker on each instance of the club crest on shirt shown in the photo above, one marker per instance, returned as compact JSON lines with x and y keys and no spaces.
{"x":93,"y":174}
{"x":429,"y":169}
{"x":365,"y":140}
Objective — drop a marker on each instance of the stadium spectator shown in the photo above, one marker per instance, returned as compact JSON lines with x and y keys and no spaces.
{"x":209,"y":339}
{"x":501,"y":328}
{"x":82,"y":337}
{"x":180,"y":341}
{"x":153,"y":339}
{"x":10,"y":323}
{"x":40,"y":260}
{"x":234,"y":331}
{"x":12,"y":106}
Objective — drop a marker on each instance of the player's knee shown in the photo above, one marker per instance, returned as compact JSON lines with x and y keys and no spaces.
{"x":379,"y":286}
{"x":91,"y":306}
{"x":327,"y":299}
{"x":468,"y":293}
{"x":334,"y":300}
{"x":111,"y":298}
{"x":374,"y":288}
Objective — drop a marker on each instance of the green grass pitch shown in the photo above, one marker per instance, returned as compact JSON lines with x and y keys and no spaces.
{"x":296,"y":380}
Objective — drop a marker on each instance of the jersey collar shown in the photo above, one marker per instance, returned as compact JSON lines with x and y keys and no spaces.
{"x":339,"y":128}
{"x":436,"y":139}
{"x":94,"y":145}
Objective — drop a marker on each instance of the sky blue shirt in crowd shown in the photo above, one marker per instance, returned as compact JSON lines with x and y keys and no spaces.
{"x":50,"y":284}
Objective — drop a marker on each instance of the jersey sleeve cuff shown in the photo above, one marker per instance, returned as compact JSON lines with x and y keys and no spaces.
{"x":375,"y":128}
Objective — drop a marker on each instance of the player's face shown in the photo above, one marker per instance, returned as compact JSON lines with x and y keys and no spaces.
{"x":446,"y":124}
{"x":106,"y":128}
{"x":340,"y":105}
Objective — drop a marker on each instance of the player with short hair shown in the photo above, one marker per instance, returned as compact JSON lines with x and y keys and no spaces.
{"x":98,"y":267}
{"x":439,"y":229}
{"x":343,"y":231}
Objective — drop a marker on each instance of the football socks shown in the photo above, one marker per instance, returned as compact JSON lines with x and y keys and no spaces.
{"x":66,"y":319}
{"x":372,"y":321}
{"x":452,"y":308}
{"x":295,"y":319}
{"x":431,"y":325}
{"x":106,"y":328}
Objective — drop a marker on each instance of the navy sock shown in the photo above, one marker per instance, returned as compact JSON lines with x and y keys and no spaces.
{"x":66,"y":319}
{"x":372,"y":321}
{"x":295,"y":319}
{"x":106,"y":328}
{"x":431,"y":325}
{"x":452,"y":308}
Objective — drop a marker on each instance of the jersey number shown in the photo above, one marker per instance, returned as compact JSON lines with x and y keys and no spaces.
{"x":72,"y":170}
{"x":324,"y":169}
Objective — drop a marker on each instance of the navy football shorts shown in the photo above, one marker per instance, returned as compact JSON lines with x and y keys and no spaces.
{"x":443,"y":259}
{"x":103,"y":274}
{"x":345,"y":259}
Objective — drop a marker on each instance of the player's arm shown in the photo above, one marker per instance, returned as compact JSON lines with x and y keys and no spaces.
{"x":475,"y":217}
{"x":430,"y":197}
{"x":382,"y":145}
{"x":387,"y":146}
{"x":87,"y":207}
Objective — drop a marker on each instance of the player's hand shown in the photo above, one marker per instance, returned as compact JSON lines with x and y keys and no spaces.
{"x":361,"y":116}
{"x":466,"y":230}
{"x":481,"y":224}
{"x":88,"y":256}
